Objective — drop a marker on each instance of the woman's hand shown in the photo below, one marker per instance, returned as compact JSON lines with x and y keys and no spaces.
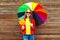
{"x":31,"y":25}
{"x":23,"y":27}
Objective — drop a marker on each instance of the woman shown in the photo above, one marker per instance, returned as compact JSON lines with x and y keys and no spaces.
{"x":28,"y":26}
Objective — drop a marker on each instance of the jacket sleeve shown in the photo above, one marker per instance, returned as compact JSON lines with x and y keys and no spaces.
{"x":21,"y":24}
{"x":21,"y":27}
{"x":34,"y":24}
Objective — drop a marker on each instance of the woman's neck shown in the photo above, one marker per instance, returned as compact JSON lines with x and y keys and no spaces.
{"x":27,"y":17}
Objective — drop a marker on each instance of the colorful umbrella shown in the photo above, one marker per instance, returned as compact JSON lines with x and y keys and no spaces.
{"x":38,"y":12}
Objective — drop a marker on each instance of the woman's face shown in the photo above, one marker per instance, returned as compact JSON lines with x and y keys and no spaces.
{"x":28,"y":13}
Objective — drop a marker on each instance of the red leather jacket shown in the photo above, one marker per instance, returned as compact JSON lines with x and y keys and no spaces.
{"x":32,"y":29}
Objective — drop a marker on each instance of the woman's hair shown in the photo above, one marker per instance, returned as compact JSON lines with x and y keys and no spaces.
{"x":30,"y":17}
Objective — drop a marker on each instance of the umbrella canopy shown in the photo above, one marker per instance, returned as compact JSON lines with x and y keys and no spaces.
{"x":38,"y":12}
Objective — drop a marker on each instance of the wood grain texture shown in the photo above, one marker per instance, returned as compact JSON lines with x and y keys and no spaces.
{"x":9,"y":27}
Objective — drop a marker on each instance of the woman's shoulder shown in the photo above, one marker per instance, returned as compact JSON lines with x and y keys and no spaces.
{"x":33,"y":19}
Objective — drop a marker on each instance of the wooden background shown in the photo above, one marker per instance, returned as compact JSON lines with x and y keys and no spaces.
{"x":50,"y":30}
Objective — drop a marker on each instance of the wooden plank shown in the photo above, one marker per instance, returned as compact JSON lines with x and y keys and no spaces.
{"x":10,"y":2}
{"x":40,"y":37}
{"x":9,"y":8}
{"x":48,"y":36}
{"x":8,"y":11}
{"x":8,"y":23}
{"x":7,"y":0}
{"x":8,"y":16}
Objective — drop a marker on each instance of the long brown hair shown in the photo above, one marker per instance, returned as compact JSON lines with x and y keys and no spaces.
{"x":30,"y":17}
